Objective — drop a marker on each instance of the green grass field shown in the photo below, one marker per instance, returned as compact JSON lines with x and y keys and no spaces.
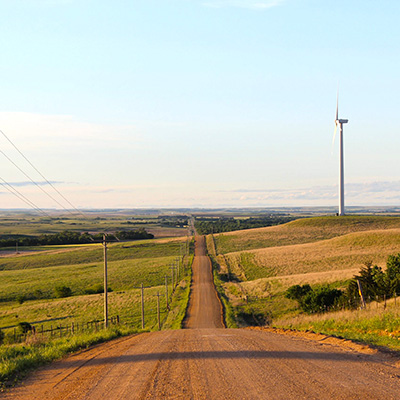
{"x":257,"y":266}
{"x":49,"y":256}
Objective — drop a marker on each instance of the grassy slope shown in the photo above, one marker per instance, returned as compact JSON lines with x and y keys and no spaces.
{"x":69,"y":255}
{"x":146,"y":262}
{"x":346,"y":252}
{"x":313,"y":250}
{"x":306,"y":230}
{"x":375,"y":325}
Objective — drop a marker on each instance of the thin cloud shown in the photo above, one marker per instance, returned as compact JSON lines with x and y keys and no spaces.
{"x":373,"y":191}
{"x":28,"y":183}
{"x":251,"y":4}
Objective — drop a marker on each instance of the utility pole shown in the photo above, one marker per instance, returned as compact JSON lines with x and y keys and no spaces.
{"x":105,"y":283}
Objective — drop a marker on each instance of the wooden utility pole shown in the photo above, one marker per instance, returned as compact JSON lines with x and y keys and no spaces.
{"x":105,"y":283}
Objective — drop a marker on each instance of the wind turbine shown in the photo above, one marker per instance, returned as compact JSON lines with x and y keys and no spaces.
{"x":340,"y":122}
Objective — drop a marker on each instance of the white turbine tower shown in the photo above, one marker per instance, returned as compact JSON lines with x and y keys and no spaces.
{"x":340,"y":122}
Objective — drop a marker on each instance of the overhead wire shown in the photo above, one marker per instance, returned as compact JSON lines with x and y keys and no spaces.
{"x":46,"y":180}
{"x":18,"y":194}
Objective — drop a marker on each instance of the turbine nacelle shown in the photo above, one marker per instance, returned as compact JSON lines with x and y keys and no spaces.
{"x":342,"y":121}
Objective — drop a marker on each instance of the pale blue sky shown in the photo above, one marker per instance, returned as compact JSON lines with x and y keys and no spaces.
{"x":201,"y":102}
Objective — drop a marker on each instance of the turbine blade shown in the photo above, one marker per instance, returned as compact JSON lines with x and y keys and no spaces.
{"x":337,"y":105}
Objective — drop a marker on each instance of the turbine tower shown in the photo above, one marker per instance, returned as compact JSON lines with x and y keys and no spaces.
{"x":340,"y":122}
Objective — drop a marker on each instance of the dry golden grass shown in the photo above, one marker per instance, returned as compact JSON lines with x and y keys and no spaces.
{"x":347,"y":252}
{"x":306,"y":230}
{"x":265,"y":287}
{"x":378,"y":324}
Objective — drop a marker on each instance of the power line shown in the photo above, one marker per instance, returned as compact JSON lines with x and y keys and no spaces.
{"x":18,"y":194}
{"x":47,"y":181}
{"x":35,"y":183}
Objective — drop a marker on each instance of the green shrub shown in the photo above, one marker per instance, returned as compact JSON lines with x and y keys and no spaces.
{"x":314,"y":300}
{"x":95,"y":289}
{"x":24,"y":327}
{"x":62,"y":291}
{"x":320,"y":299}
{"x":20,"y":298}
{"x":296,"y":292}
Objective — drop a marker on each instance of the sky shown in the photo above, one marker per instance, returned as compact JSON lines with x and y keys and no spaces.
{"x":199,"y":103}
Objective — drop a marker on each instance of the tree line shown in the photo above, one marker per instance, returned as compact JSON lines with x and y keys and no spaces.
{"x":69,"y":237}
{"x":207,"y":225}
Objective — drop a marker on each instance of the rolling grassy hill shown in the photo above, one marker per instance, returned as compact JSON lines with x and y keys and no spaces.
{"x":305,"y":230}
{"x":33,"y":278}
{"x":258,"y":265}
{"x":349,"y":251}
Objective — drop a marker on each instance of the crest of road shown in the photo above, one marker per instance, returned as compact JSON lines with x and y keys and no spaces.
{"x":206,"y":361}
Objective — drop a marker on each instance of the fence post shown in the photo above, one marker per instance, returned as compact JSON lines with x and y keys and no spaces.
{"x":384,"y":299}
{"x":142,"y":292}
{"x":158,"y":311}
{"x":360,"y":292}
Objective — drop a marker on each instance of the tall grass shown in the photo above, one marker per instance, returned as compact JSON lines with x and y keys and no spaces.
{"x":180,"y":300}
{"x":375,"y":325}
{"x":17,"y":360}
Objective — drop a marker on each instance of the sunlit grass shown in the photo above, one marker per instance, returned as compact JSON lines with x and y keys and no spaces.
{"x":374,"y":325}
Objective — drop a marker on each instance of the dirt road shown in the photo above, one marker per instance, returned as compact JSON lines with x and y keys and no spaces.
{"x":204,"y":309}
{"x":214,"y":363}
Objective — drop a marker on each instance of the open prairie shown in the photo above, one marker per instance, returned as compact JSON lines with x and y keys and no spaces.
{"x":305,"y":230}
{"x":317,"y":251}
{"x":349,"y":251}
{"x":30,"y":281}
